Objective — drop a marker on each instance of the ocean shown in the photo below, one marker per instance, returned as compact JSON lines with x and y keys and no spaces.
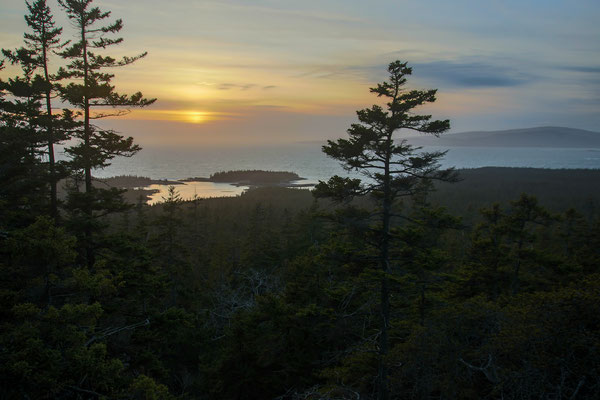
{"x":308,"y":161}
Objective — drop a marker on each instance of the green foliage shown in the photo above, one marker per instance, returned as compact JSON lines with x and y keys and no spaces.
{"x":300,"y":318}
{"x":23,"y":190}
{"x":89,"y":86}
{"x":275,"y":294}
{"x":254,"y":176}
{"x":392,"y":170}
{"x":40,"y":43}
{"x":145,"y":388}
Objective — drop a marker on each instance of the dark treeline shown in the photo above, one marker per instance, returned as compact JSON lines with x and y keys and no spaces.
{"x":131,"y":181}
{"x":266,"y":296}
{"x":382,"y":289}
{"x":254,"y":176}
{"x":556,"y":189}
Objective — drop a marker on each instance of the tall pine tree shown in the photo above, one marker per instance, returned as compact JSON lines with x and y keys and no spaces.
{"x":23,"y":192}
{"x":90,"y":87}
{"x":44,"y":39}
{"x":393,"y":170}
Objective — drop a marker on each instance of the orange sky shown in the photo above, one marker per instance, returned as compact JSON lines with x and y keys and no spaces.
{"x":232,"y":71}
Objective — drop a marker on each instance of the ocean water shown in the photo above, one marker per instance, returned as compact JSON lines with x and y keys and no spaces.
{"x":308,"y":161}
{"x":179,"y":163}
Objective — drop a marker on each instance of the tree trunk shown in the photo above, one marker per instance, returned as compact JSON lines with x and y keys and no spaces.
{"x":89,"y":250}
{"x":50,"y":131}
{"x":383,"y":389}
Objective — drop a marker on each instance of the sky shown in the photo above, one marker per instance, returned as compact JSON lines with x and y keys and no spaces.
{"x":274,"y":71}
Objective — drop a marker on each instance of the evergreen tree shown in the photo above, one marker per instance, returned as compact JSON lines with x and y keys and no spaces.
{"x":524,"y":213}
{"x":22,"y":185}
{"x":168,"y":242}
{"x":393,"y":170}
{"x":90,"y":87}
{"x":43,"y":40}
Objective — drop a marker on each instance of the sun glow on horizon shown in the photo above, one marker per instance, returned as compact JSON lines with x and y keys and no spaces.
{"x":197,"y":117}
{"x":185,"y":116}
{"x":239,"y":71}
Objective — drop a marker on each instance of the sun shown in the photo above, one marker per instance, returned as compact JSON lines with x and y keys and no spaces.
{"x":196,"y":117}
{"x":186,"y":116}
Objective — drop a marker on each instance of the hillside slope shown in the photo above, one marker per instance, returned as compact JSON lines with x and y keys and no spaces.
{"x":547,"y":136}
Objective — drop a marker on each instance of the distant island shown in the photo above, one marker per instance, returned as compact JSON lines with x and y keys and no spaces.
{"x":546,"y":136}
{"x":239,"y":177}
{"x":132,"y":181}
{"x":253,"y":177}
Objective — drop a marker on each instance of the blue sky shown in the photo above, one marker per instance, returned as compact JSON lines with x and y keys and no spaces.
{"x":272,"y":71}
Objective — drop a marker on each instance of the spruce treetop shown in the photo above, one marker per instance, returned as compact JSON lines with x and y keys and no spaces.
{"x":391,"y":165}
{"x":87,"y":66}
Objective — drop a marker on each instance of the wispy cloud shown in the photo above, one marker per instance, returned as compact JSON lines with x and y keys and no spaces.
{"x":292,"y":10}
{"x":472,"y":74}
{"x":242,"y":86}
{"x":581,"y":68}
{"x":447,"y":74}
{"x":230,"y":86}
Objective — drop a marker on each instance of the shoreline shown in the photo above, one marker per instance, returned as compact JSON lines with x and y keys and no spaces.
{"x":144,"y":189}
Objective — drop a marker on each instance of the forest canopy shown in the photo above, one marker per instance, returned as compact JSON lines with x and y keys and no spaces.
{"x":406,"y":281}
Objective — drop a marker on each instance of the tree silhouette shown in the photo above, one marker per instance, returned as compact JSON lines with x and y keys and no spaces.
{"x":22,"y":174}
{"x":392,"y":170}
{"x":39,"y":44}
{"x":90,"y":87}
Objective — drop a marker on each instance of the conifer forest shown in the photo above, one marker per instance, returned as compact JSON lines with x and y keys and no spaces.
{"x":401,"y":280}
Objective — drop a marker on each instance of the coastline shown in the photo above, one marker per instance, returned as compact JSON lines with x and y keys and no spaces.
{"x":223,"y":184}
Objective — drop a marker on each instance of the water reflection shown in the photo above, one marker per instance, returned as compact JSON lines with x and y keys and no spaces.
{"x":187,"y":190}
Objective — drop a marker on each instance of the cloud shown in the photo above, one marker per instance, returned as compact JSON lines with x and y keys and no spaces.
{"x":267,"y":107}
{"x":244,"y":86}
{"x":229,"y":86}
{"x":471,"y":74}
{"x":585,"y":76}
{"x":293,"y":10}
{"x":343,"y":72}
{"x":444,"y":74}
{"x":466,"y":73}
{"x":581,"y":68}
{"x":589,"y":75}
{"x":579,"y":101}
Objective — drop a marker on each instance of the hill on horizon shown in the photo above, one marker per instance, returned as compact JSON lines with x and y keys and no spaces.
{"x":544,"y":136}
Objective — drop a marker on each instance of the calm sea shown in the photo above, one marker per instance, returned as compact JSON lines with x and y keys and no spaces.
{"x":308,"y":161}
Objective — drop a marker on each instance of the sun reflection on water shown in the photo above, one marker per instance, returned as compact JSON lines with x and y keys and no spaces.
{"x":203,"y":190}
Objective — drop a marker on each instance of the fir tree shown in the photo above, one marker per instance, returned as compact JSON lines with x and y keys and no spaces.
{"x":22,"y":179}
{"x":89,"y":88}
{"x":44,"y":39}
{"x":393,"y":170}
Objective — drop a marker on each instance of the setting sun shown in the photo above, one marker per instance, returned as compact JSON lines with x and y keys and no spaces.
{"x":287,"y":200}
{"x":196,"y":117}
{"x":185,"y":116}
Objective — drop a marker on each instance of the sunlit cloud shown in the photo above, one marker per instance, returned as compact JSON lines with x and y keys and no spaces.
{"x":229,"y":86}
{"x":298,"y":70}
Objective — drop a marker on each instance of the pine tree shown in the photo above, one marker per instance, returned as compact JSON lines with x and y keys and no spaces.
{"x":44,"y":39}
{"x":23,"y":187}
{"x":89,"y":88}
{"x":524,"y":213}
{"x":393,"y":170}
